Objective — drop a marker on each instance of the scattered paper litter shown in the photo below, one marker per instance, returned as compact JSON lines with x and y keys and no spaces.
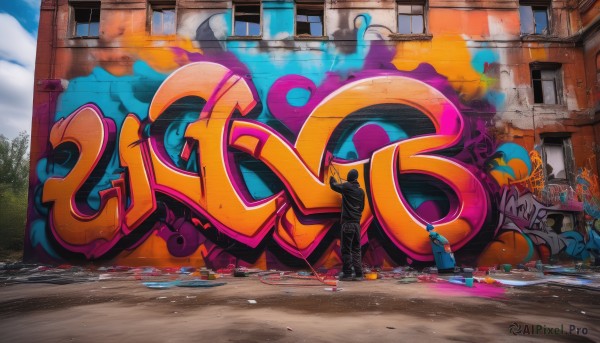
{"x":252,"y":301}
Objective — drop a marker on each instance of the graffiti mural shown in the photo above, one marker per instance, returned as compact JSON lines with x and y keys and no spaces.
{"x":213,"y":151}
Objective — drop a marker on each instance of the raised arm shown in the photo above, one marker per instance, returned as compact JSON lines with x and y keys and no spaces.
{"x":334,"y":185}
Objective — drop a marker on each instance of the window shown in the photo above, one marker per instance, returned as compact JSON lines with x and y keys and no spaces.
{"x":85,"y":19}
{"x":309,"y":20}
{"x":246,"y":19}
{"x":534,"y":18}
{"x":411,"y":17}
{"x":545,"y":80}
{"x":560,"y":222}
{"x":162,"y":21}
{"x":557,"y":154}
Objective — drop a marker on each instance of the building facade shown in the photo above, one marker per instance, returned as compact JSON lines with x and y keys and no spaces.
{"x":205,"y":132}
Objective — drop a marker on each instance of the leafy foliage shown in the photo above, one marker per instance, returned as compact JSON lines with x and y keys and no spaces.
{"x":13,"y":214}
{"x":14,"y":161}
{"x":14,"y":172}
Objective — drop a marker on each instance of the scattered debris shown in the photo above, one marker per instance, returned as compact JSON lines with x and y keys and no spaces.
{"x":182,"y":283}
{"x":519,"y":275}
{"x":371,"y":276}
{"x":159,"y":285}
{"x":252,"y":301}
{"x":199,"y":283}
{"x":408,"y":280}
{"x":507,"y":282}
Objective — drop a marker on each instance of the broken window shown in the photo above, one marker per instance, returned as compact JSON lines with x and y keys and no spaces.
{"x":557,"y":155}
{"x":534,"y":18}
{"x":86,"y":19}
{"x":246,"y":19}
{"x":545,"y":80}
{"x":309,"y":20}
{"x":560,"y":222}
{"x":163,"y":19}
{"x":411,"y":17}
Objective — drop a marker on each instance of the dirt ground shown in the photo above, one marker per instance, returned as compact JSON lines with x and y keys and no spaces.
{"x":384,"y":310}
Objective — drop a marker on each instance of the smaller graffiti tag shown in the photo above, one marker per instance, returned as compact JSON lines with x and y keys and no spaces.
{"x":544,"y":224}
{"x":522,"y":329}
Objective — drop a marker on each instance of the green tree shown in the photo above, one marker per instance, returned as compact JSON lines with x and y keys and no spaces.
{"x":14,"y":161}
{"x":14,"y":173}
{"x":13,"y":214}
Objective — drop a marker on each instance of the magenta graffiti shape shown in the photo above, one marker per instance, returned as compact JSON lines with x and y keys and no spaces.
{"x":430,"y":211}
{"x":369,"y":138}
{"x":291,"y":116}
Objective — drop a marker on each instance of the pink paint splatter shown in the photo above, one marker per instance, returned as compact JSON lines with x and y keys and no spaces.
{"x":481,"y":290}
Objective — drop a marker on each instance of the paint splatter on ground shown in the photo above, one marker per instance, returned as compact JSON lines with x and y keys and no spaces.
{"x":481,"y":290}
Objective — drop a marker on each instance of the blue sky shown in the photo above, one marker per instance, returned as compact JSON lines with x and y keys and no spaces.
{"x":18,"y":35}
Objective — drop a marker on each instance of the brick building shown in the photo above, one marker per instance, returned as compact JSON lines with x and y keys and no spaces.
{"x":205,"y":132}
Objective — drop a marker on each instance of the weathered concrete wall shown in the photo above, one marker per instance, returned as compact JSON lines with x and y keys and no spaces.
{"x":206,"y":148}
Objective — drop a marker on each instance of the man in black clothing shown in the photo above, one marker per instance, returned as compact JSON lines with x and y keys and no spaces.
{"x":353,"y":203}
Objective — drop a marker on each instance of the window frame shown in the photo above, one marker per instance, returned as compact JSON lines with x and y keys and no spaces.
{"x":160,"y":5}
{"x":424,"y":15}
{"x":536,"y":3}
{"x":260,"y":16}
{"x":79,"y":5}
{"x":565,"y":214}
{"x":558,"y":83}
{"x":309,"y":5}
{"x":564,"y":141}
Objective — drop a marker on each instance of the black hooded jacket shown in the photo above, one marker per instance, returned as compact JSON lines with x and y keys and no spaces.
{"x":353,"y":199}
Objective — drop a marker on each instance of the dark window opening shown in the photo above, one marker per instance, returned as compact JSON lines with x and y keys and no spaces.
{"x":247,"y":20}
{"x":546,"y":84}
{"x":86,"y":18}
{"x":560,"y":222}
{"x":309,"y":20}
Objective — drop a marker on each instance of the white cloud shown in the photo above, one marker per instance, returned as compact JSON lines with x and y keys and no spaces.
{"x":16,"y":44}
{"x":16,"y":97}
{"x":16,"y":83}
{"x":17,"y":62}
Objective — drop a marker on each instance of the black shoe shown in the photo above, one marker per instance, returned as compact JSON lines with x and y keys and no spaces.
{"x":345,"y":277}
{"x":359,"y":277}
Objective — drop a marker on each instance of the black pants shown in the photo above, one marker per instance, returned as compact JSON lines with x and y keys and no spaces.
{"x":351,"y":249}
